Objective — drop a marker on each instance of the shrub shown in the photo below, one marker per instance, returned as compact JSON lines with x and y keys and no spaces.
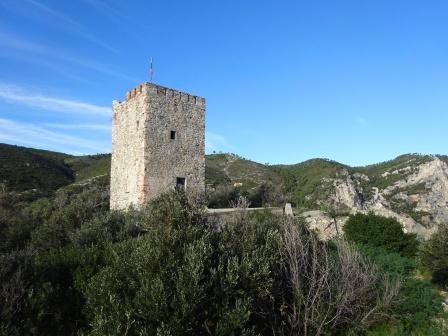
{"x":16,"y":294}
{"x":222,"y":196}
{"x":332,"y":290}
{"x":266,"y":194}
{"x":419,"y":304}
{"x":71,"y":209}
{"x":435,"y":255}
{"x":378,"y":231}
{"x":183,"y":277}
{"x":391,"y":263}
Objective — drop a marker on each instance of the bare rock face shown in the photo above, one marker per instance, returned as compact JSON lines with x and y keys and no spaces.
{"x":345,"y":192}
{"x":417,"y":197}
{"x":326,"y":226}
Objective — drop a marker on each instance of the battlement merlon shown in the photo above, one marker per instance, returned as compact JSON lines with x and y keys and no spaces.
{"x":174,"y":95}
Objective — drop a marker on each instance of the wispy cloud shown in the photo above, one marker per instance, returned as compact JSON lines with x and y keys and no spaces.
{"x":215,"y":142}
{"x":132,"y":27}
{"x":70,"y":24}
{"x":37,"y":136}
{"x":14,"y":94}
{"x":12,"y":41}
{"x":93,"y":127}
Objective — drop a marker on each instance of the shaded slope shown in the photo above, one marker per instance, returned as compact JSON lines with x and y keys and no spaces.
{"x":24,"y":169}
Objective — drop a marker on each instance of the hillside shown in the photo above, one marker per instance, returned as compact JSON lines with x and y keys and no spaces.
{"x":412,"y":188}
{"x":24,"y":168}
{"x":51,"y":170}
{"x":232,"y":169}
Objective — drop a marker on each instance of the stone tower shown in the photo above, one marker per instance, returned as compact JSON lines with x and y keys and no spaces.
{"x":158,"y":140}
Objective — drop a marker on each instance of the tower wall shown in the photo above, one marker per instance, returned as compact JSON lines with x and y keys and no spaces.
{"x":146,"y":161}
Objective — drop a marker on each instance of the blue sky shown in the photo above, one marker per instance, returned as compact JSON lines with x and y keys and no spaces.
{"x":285,"y":81}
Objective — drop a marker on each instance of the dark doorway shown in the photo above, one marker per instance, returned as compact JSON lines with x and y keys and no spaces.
{"x":180,"y":183}
{"x":173,"y":135}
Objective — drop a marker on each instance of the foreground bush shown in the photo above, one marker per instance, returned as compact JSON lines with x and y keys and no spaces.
{"x":417,"y":309}
{"x":435,"y":256}
{"x":169,"y":269}
{"x":259,"y":274}
{"x":184,"y":278}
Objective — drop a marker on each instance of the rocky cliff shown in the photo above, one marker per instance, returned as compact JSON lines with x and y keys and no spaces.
{"x":415,"y":193}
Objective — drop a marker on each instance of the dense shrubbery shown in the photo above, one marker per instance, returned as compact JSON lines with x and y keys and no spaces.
{"x":435,"y":256}
{"x":69,"y":266}
{"x":383,"y":241}
{"x":382,"y":232}
{"x":184,"y":278}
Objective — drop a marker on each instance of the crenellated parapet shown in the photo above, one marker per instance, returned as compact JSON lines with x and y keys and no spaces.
{"x":172,"y":95}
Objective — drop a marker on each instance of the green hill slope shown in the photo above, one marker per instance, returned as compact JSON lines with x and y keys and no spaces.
{"x":24,"y":168}
{"x":89,"y":166}
{"x":305,"y":181}
{"x":231,"y":169}
{"x":305,"y":184}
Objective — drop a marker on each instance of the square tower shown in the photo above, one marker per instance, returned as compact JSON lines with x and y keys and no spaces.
{"x":158,"y":144}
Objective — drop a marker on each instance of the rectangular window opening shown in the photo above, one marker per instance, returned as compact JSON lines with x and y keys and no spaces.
{"x":180,"y":183}
{"x":173,"y":135}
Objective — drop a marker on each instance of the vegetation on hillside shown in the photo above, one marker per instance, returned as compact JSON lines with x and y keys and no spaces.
{"x":88,"y":166}
{"x":306,"y":181}
{"x":24,"y":169}
{"x":306,"y":185}
{"x":384,"y":174}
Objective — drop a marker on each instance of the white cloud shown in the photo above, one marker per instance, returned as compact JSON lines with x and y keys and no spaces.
{"x":94,"y":127}
{"x":37,"y":136}
{"x":14,"y":94}
{"x":215,"y":142}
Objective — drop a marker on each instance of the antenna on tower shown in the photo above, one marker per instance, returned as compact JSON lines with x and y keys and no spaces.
{"x":150,"y":71}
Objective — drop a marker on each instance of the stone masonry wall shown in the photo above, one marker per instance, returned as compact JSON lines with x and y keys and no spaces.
{"x":145,"y":160}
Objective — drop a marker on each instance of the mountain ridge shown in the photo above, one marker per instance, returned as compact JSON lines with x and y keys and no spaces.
{"x":412,"y":187}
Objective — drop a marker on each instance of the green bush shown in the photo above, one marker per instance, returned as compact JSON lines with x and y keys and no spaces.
{"x":70,"y":210}
{"x":181,"y":278}
{"x":390,"y":263}
{"x":419,"y":304}
{"x":434,"y":255}
{"x":383,"y":232}
{"x":222,"y":196}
